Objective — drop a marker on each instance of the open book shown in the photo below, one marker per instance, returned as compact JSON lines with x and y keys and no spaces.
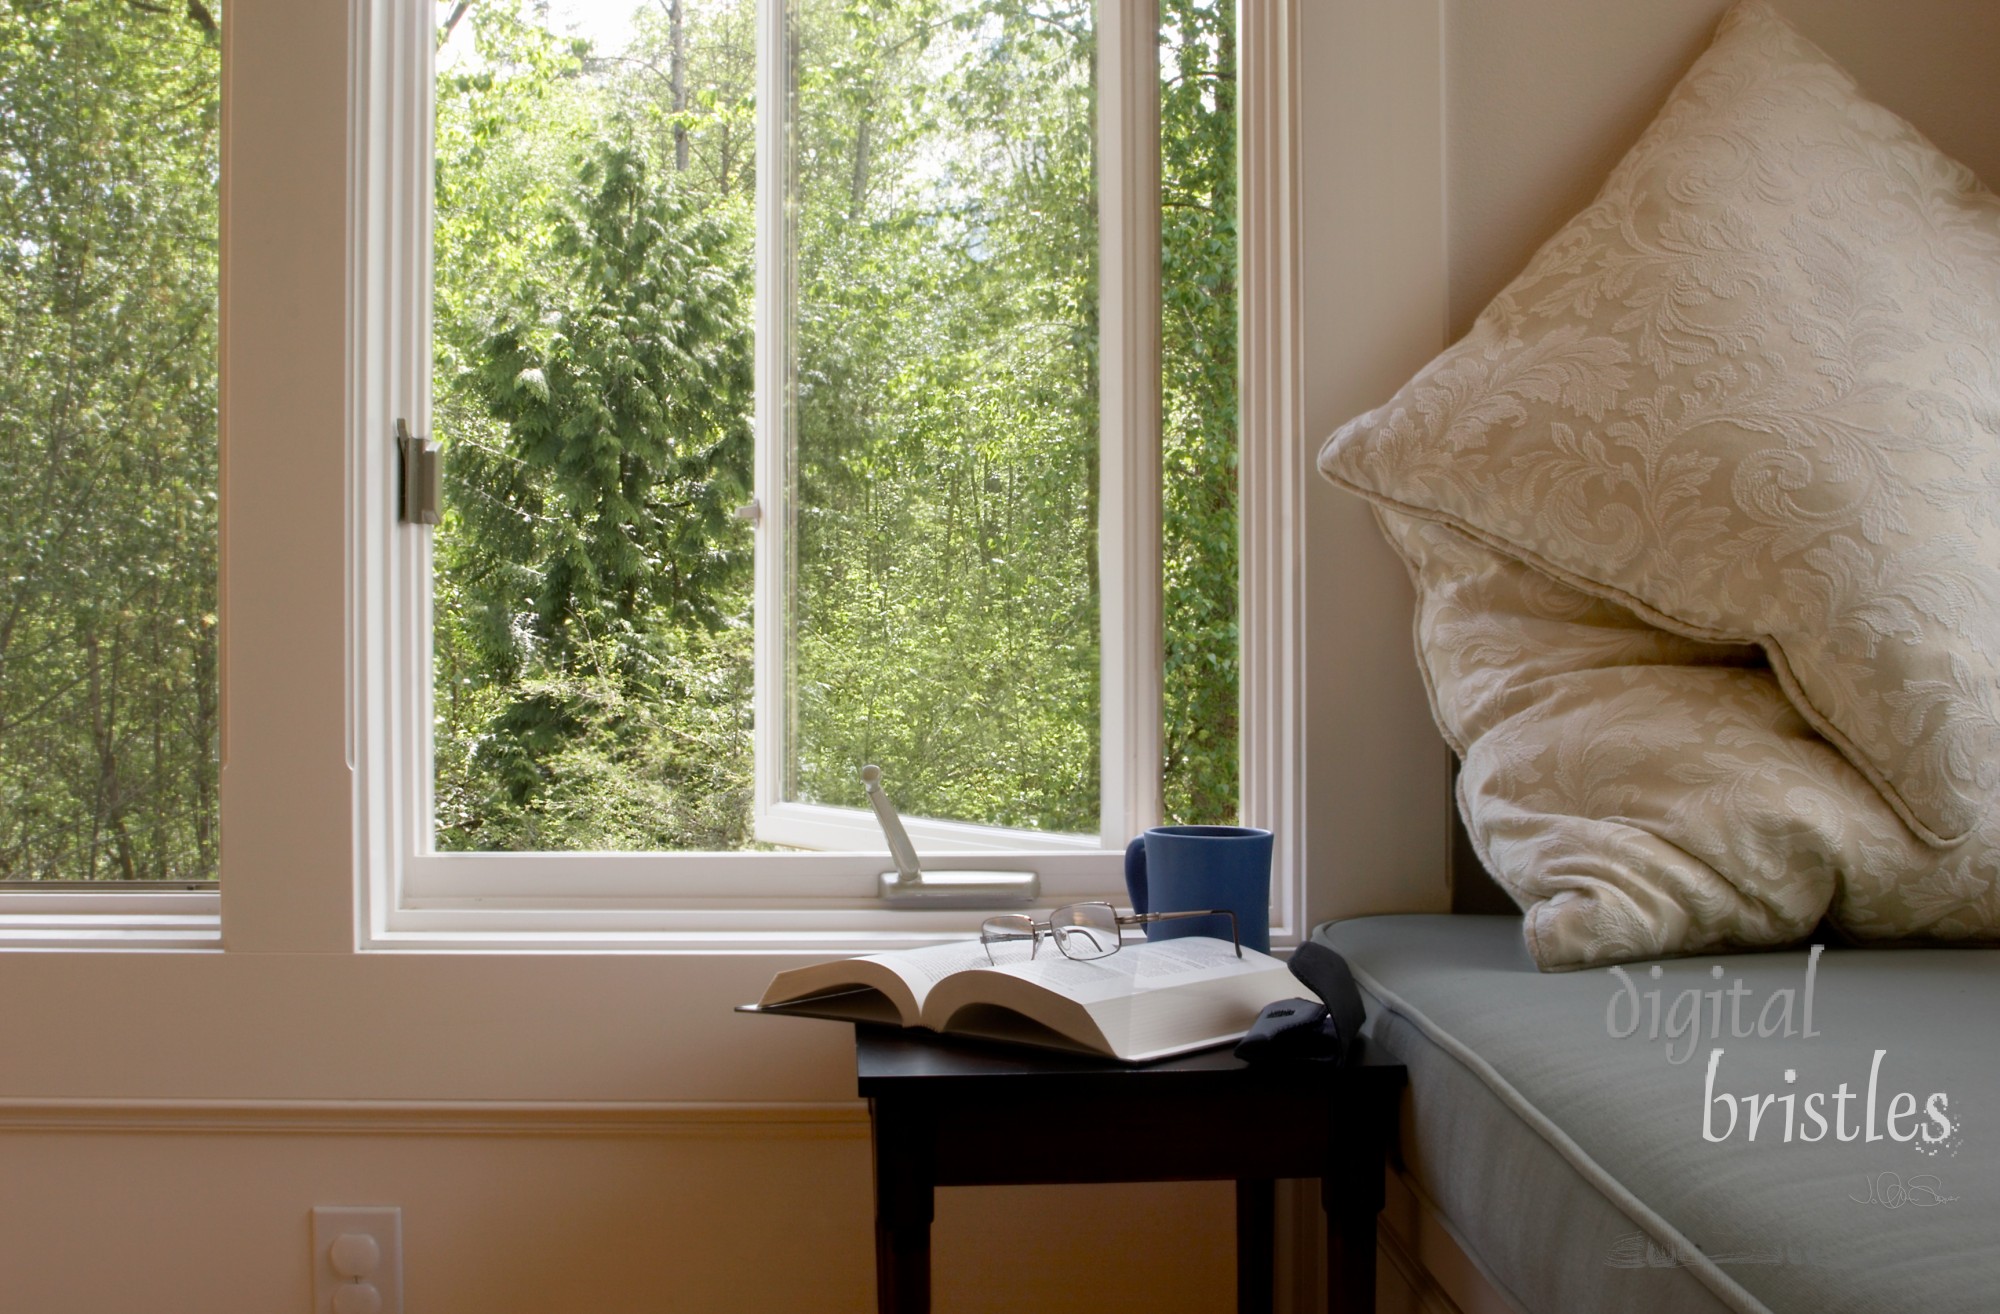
{"x":1149,"y":1001}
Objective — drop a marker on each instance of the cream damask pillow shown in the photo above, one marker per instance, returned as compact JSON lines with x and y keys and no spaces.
{"x":1641,"y":794}
{"x":1752,"y":394}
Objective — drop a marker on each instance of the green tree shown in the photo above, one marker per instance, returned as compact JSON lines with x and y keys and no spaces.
{"x":945,"y":612}
{"x":1198,"y":257}
{"x":596,"y":550}
{"x":941,"y":188}
{"x":108,"y":702}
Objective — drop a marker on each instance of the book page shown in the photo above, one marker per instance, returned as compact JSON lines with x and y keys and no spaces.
{"x":1139,"y":967}
{"x":904,"y":978}
{"x":1194,"y":995}
{"x":920,"y":969}
{"x":1147,"y":1001}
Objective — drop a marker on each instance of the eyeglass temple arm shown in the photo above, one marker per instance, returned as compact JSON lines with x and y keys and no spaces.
{"x":1142,"y":919}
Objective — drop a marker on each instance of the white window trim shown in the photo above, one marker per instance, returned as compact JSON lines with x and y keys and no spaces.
{"x":407,"y":898}
{"x":1275,"y":449}
{"x":1131,"y":643}
{"x":120,"y":918}
{"x":633,"y":903}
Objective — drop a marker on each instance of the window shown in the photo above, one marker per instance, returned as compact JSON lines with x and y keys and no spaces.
{"x":923,"y":316}
{"x":108,"y":228}
{"x":933,"y":385}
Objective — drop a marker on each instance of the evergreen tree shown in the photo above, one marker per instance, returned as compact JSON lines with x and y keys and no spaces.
{"x":603,"y":527}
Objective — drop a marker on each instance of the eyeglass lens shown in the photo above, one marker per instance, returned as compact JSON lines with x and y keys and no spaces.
{"x":1082,"y":931}
{"x":1085,"y":930}
{"x":1009,"y":938}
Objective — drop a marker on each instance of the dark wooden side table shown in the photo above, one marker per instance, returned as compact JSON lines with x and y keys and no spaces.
{"x":948,"y":1113}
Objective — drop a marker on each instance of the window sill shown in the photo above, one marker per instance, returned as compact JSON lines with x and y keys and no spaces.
{"x":823,"y":904}
{"x":823,"y":928}
{"x":731,"y":931}
{"x":717,"y":943}
{"x":114,"y":919}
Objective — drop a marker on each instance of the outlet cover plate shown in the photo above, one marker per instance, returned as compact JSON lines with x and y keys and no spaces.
{"x":382,"y":1222}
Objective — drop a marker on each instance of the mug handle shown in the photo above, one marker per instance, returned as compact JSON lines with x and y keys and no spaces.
{"x":1135,"y":873}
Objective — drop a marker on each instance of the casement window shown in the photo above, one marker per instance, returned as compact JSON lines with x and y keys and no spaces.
{"x":108,"y":655}
{"x":804,"y":395}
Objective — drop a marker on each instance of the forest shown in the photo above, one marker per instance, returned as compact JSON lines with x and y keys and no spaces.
{"x":594,"y":249}
{"x":108,"y":699}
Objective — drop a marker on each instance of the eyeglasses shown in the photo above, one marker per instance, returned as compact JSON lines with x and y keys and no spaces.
{"x":1082,"y":931}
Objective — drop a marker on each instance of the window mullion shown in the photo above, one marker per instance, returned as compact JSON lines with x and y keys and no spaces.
{"x":389,"y":379}
{"x":1273,"y":472}
{"x":1129,"y":533}
{"x":414,"y":255}
{"x":772,"y":469}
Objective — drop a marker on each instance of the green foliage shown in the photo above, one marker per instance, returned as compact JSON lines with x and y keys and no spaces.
{"x":945,"y":616}
{"x":627,"y":415}
{"x":593,"y":255}
{"x":593,"y":554}
{"x":593,"y":252}
{"x":1198,"y":409}
{"x":108,"y":698}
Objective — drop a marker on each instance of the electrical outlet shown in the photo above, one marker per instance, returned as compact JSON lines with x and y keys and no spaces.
{"x":357,"y":1259}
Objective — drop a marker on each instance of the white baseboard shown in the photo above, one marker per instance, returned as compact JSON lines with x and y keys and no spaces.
{"x":1402,"y":1284}
{"x":1420,"y":1266}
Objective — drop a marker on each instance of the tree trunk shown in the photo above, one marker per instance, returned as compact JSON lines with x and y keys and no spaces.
{"x":1225,"y":67}
{"x":677,"y":38}
{"x":858,"y":187}
{"x":206,"y":754}
{"x":96,"y":705}
{"x":159,"y":705}
{"x":451,"y":22}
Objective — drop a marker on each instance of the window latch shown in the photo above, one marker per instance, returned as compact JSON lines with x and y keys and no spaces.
{"x":420,"y":493}
{"x":910,"y":886}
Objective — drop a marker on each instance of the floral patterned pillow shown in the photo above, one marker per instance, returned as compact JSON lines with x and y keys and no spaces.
{"x":1642,"y":794}
{"x":1752,"y":395}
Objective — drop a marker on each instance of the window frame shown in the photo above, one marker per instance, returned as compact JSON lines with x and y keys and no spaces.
{"x":116,"y":914}
{"x":1131,"y":642}
{"x":638,"y":910}
{"x":409,"y":897}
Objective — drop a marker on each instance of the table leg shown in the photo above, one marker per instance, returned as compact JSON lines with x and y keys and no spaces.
{"x":904,"y":1205}
{"x":902,"y":1267}
{"x":1350,"y":1261}
{"x":1256,"y":1243}
{"x":1352,"y":1192}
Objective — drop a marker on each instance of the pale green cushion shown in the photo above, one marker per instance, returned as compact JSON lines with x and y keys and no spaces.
{"x":1572,"y":1165}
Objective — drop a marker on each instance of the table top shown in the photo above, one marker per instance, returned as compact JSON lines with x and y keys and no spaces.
{"x":894,"y":1060}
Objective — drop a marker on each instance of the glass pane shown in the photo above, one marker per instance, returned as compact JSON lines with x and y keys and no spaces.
{"x":945,"y":600}
{"x":592,"y":390}
{"x":1085,"y":930}
{"x":1198,"y":405}
{"x":108,"y":176}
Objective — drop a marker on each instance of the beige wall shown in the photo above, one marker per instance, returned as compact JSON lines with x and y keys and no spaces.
{"x":653,"y":1220}
{"x":1543,"y":96}
{"x":1373,"y":266}
{"x":562,"y":1131}
{"x":601,"y":1133}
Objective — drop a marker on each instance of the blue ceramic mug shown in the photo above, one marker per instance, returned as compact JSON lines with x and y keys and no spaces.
{"x":1177,"y":868}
